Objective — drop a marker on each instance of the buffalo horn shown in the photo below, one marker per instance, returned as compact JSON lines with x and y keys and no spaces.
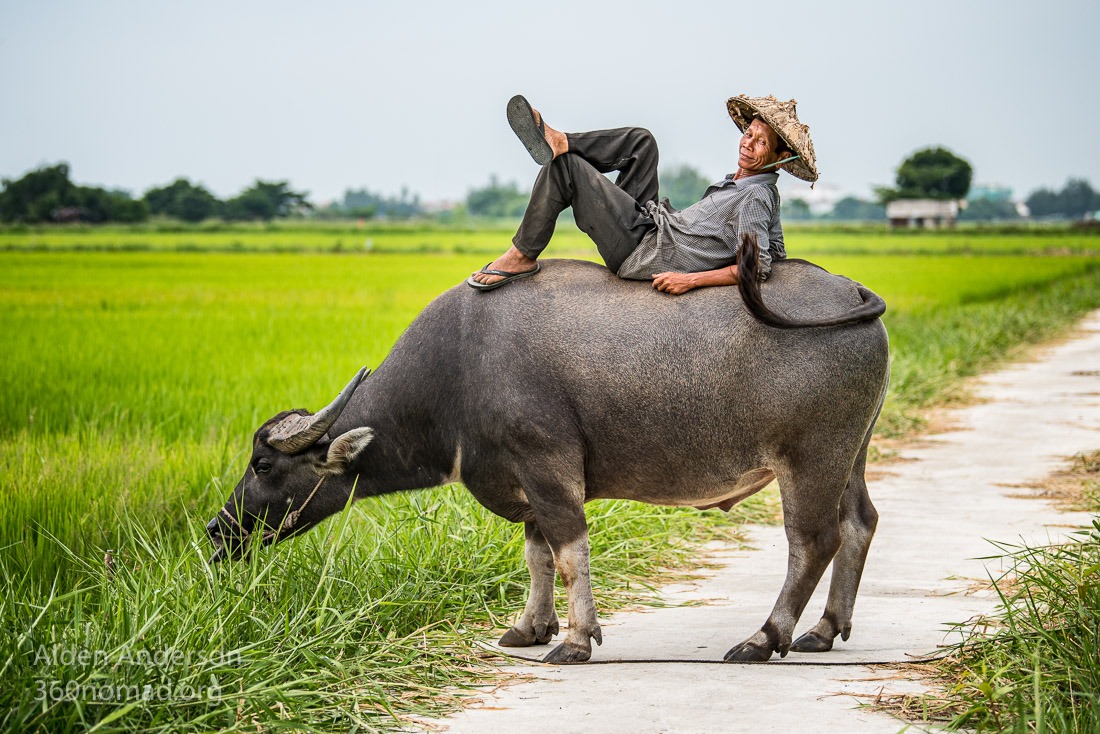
{"x":298,"y":432}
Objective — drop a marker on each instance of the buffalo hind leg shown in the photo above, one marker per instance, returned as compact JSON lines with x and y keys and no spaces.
{"x":810,"y":509}
{"x":858,"y":519}
{"x":539,"y":622}
{"x":566,"y":531}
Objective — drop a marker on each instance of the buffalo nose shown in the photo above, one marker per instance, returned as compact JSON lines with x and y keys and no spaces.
{"x":213,"y":527}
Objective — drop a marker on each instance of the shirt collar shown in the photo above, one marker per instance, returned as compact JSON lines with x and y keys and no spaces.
{"x":768,"y":177}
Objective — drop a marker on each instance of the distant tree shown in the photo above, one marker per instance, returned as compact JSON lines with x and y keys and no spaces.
{"x":932,"y":173}
{"x":682,"y":186}
{"x":47,"y":194}
{"x":267,"y":200}
{"x":853,"y":209}
{"x":988,"y":210}
{"x":110,"y":206}
{"x":336,"y":210}
{"x":161,"y":200}
{"x":1078,"y":198}
{"x":183,"y":200}
{"x":33,"y":197}
{"x":1075,"y":200}
{"x":250,"y":204}
{"x":366,"y":204}
{"x":496,"y":200}
{"x":795,"y":210}
{"x":196,"y":205}
{"x":1044,"y":203}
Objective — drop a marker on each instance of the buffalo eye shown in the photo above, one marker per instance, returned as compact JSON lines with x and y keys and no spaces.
{"x":263,"y":466}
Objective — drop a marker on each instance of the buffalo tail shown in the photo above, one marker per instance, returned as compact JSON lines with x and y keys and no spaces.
{"x":748,"y":283}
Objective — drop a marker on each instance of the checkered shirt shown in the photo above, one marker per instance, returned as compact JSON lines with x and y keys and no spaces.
{"x":707,"y":235}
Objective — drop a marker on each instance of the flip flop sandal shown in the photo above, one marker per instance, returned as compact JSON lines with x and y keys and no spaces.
{"x":531,"y":132}
{"x":508,"y":277}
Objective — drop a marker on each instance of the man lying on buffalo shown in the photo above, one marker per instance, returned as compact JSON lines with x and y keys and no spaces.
{"x":637,"y":237}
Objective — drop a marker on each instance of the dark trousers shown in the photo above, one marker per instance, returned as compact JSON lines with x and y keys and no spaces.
{"x":612,"y":214}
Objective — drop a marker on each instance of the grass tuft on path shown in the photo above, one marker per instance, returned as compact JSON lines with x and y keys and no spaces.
{"x":1033,"y":665}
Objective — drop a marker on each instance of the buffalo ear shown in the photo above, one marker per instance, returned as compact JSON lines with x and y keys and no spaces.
{"x":343,"y":450}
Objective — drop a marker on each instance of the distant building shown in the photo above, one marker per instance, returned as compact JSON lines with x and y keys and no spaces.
{"x":70,"y":215}
{"x":821,"y":199}
{"x":438,"y":206}
{"x":989,"y":192}
{"x":928,"y":213}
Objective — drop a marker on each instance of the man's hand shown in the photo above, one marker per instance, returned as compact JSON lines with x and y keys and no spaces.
{"x":674,"y":283}
{"x":677,"y":283}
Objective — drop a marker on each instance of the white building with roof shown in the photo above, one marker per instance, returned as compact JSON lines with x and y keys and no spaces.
{"x":928,"y":213}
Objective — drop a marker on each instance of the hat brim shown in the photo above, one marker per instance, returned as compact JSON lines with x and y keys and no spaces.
{"x":742,"y":111}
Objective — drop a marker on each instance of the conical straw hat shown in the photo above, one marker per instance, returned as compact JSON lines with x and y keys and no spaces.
{"x":783,"y":118}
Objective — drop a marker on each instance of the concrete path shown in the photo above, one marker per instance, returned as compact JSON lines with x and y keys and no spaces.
{"x":939,"y":508}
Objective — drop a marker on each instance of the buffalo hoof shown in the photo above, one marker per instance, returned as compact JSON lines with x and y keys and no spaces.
{"x":746,"y":652}
{"x":812,"y":642}
{"x":540,"y":635}
{"x":567,"y":652}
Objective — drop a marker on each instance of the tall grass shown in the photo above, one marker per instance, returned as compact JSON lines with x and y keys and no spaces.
{"x":1034,"y":664}
{"x":359,"y":625}
{"x":131,"y":382}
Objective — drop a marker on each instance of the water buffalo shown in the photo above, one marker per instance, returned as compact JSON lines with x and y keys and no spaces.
{"x":576,"y":385}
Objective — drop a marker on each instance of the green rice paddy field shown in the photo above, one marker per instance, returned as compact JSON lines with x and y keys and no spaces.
{"x":481,"y":239}
{"x":135,"y":364}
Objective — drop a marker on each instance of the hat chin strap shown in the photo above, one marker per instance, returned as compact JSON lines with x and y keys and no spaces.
{"x":780,"y":163}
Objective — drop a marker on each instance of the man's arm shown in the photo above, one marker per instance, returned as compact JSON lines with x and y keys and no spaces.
{"x":677,"y":283}
{"x":752,"y":216}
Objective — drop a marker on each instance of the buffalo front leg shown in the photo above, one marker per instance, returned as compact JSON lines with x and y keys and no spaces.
{"x":810,"y":510}
{"x":539,"y":622}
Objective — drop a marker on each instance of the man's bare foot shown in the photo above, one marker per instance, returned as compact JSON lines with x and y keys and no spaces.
{"x":512,"y":261}
{"x":557,"y":140}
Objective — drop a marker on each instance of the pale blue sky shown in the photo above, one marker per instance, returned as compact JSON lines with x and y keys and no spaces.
{"x":384,"y":95}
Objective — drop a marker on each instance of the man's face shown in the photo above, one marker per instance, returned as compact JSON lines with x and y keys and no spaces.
{"x":758,"y":147}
